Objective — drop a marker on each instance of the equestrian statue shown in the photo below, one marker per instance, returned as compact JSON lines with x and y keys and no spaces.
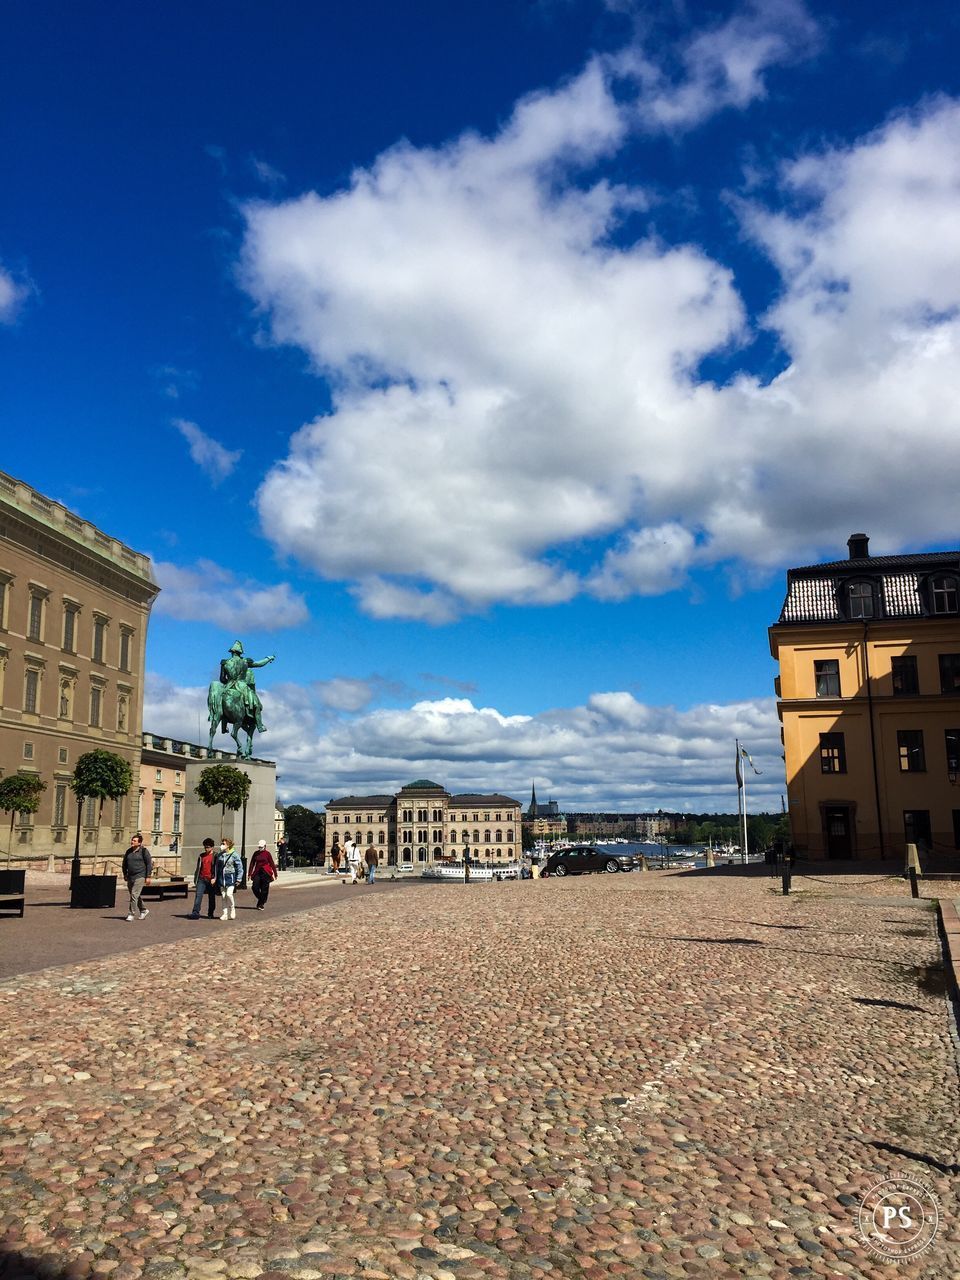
{"x":233,"y":702}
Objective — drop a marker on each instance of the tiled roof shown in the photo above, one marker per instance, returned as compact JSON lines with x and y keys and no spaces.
{"x":814,"y":591}
{"x":470,"y":798}
{"x":360,"y":802}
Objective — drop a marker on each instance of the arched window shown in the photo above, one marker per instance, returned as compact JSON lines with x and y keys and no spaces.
{"x":408,"y":855}
{"x":861,"y":600}
{"x":510,"y":834}
{"x":476,"y":837}
{"x":392,"y":858}
{"x":486,"y":837}
{"x":437,"y":853}
{"x":381,"y":837}
{"x":421,"y":854}
{"x":370,"y":837}
{"x":499,"y":836}
{"x":499,"y":853}
{"x":453,"y":837}
{"x":346,"y":836}
{"x":943,"y":594}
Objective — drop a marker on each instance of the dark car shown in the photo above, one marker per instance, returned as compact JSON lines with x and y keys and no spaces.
{"x":583,"y":858}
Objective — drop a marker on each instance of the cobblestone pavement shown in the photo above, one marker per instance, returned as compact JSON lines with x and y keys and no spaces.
{"x":639,"y":1076}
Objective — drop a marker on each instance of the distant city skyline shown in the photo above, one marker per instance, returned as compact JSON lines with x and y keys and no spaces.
{"x":490,"y":368}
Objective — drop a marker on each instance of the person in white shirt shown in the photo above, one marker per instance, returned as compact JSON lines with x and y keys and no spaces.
{"x":353,"y":861}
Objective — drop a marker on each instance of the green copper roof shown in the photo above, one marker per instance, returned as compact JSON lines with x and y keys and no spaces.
{"x":423,"y":784}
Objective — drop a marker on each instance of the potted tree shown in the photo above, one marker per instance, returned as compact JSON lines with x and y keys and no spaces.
{"x":226,"y":786}
{"x":98,"y":775}
{"x":20,"y":793}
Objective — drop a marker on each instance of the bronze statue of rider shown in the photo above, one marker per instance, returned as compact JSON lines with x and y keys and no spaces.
{"x":236,"y":672}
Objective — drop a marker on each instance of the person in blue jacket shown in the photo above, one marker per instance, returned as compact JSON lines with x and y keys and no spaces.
{"x":229,"y":871}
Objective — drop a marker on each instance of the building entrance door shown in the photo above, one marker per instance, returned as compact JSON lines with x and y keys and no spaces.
{"x":836,"y":820}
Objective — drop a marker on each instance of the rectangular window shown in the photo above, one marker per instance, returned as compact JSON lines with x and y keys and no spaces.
{"x":906,"y":682}
{"x":177,"y":806}
{"x":96,"y":695}
{"x":949,"y":672}
{"x":910,"y":750}
{"x":944,"y":595}
{"x":3,"y":604}
{"x":28,"y":751}
{"x":60,"y":805}
{"x":118,"y":812}
{"x":833,"y":756}
{"x":157,"y":812}
{"x":952,"y":737}
{"x":69,"y":630}
{"x":61,"y":755}
{"x":35,"y":626}
{"x":860,"y":596}
{"x":31,"y":690}
{"x":99,"y":631}
{"x":124,"y":650}
{"x":826,"y":673}
{"x":90,"y":812}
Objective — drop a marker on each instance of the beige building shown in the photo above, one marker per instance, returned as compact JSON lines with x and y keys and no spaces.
{"x":424,"y":823}
{"x":869,"y":698}
{"x":74,"y":605}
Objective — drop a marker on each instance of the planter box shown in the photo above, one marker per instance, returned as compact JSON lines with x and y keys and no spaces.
{"x":94,"y":891}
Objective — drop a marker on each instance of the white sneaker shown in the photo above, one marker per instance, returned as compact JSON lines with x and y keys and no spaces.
{"x":129,"y":918}
{"x":144,"y":914}
{"x":224,"y":916}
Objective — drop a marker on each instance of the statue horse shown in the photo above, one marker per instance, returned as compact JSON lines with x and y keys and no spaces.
{"x":228,"y":712}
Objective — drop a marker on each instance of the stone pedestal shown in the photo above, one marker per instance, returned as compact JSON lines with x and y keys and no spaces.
{"x":199,"y":821}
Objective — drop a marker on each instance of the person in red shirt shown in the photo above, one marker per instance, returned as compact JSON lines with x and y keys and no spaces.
{"x":263,"y":871}
{"x":206,"y":879}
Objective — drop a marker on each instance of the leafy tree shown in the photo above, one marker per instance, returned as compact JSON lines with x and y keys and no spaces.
{"x":305,"y":831}
{"x":20,"y":793}
{"x":99,"y":775}
{"x":223,"y":785}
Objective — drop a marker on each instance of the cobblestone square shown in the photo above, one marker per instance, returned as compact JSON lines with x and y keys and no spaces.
{"x":651,"y":1075}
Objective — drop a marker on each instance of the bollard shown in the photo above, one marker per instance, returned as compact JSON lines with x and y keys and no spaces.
{"x":914,"y":887}
{"x":785,"y":879}
{"x":710,"y":861}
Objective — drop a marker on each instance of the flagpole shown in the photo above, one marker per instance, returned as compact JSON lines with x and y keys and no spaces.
{"x":739,"y":767}
{"x":743,"y":773}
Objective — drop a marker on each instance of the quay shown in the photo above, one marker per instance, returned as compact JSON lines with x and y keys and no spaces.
{"x":657,"y":1076}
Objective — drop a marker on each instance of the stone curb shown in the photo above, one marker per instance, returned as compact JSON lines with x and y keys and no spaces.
{"x":949,"y":920}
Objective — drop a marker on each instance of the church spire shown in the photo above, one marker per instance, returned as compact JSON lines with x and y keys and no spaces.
{"x":532,"y":811}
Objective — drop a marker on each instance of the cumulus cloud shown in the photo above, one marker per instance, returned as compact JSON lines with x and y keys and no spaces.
{"x":13,"y":293}
{"x":516,"y":381}
{"x":213,"y":459}
{"x":660,"y":757}
{"x":207,"y":592}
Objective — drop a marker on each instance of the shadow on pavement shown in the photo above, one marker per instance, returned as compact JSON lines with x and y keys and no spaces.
{"x":16,"y":1266}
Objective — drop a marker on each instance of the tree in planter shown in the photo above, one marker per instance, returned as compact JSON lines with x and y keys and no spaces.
{"x":98,"y":775}
{"x":223,"y":785}
{"x":20,"y":793}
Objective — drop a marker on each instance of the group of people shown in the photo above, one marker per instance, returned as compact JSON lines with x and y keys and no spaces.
{"x":362,"y":865}
{"x":216,"y":876}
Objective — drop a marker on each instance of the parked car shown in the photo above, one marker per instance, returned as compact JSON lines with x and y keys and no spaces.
{"x":583,"y":858}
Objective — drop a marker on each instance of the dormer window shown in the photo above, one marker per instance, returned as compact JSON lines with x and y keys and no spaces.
{"x":861,"y":603}
{"x":943,"y":594}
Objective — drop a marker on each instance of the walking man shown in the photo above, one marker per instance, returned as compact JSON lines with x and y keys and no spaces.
{"x":206,"y":882}
{"x":371,"y":860}
{"x":137,"y":866}
{"x":263,"y":871}
{"x":353,"y":860}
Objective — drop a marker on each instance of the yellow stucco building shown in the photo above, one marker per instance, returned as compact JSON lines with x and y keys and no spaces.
{"x":869,"y":699}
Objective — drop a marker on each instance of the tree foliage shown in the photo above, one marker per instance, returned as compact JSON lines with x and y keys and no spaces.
{"x":20,"y":793}
{"x":305,"y":831}
{"x":102,"y":775}
{"x":223,"y":785}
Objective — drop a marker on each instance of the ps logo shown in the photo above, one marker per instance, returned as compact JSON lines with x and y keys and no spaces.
{"x":898,"y":1218}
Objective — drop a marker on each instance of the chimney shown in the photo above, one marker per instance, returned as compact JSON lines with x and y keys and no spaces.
{"x":857,"y":545}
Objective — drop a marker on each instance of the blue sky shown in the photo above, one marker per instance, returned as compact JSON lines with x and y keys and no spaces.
{"x":488,"y":364}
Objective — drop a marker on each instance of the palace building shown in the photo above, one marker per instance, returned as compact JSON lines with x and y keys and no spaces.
{"x":869,"y":699}
{"x":424,"y":823}
{"x":74,"y":606}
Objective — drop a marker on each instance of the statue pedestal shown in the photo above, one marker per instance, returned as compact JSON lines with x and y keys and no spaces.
{"x":199,"y":821}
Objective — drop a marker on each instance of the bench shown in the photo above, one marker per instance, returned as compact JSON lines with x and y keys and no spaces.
{"x":13,"y":891}
{"x":176,"y":886}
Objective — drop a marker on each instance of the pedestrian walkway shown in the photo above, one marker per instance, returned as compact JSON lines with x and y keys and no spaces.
{"x":614,"y":1076}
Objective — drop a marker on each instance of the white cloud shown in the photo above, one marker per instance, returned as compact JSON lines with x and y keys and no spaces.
{"x":514,"y":385}
{"x":207,"y":592}
{"x":660,"y":757}
{"x":345,"y":694}
{"x":213,"y":459}
{"x":13,"y":293}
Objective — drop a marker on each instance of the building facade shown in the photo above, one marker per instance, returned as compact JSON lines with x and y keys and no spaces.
{"x":869,"y":700}
{"x":424,"y":823}
{"x":74,"y":606}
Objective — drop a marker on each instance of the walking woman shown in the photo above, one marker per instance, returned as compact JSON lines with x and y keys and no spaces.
{"x":137,"y":865}
{"x":263,"y":871}
{"x":229,"y":875}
